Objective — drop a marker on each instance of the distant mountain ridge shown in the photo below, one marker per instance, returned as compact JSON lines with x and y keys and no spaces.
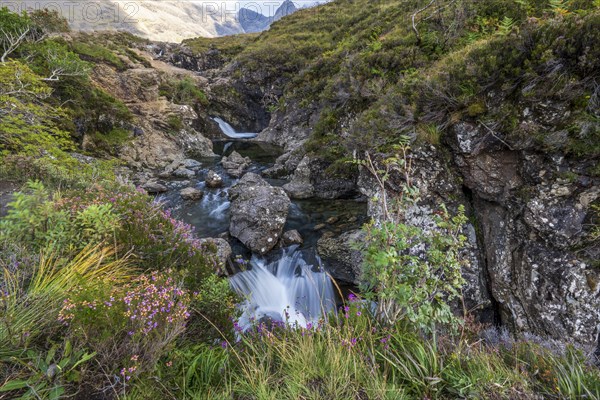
{"x":165,"y":21}
{"x":253,"y":21}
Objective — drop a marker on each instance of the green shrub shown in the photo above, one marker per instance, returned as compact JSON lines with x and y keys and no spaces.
{"x":413,"y":272}
{"x":184,"y":91}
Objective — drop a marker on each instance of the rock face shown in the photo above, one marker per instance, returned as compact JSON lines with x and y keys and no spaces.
{"x":343,"y":261}
{"x":191,"y":193}
{"x":235,"y":164}
{"x":258,"y":213}
{"x":154,"y":142}
{"x":532,"y":223}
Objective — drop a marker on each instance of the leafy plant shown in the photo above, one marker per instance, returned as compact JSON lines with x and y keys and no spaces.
{"x":45,"y":376}
{"x":411,"y":271}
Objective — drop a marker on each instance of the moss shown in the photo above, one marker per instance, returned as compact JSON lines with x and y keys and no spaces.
{"x":476,"y":109}
{"x":96,"y":53}
{"x":175,"y":123}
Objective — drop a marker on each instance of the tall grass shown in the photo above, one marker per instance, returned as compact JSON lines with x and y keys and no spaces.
{"x":31,"y":300}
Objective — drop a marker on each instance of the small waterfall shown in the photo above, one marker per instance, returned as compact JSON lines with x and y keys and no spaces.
{"x":288,"y":289}
{"x":230,"y":132}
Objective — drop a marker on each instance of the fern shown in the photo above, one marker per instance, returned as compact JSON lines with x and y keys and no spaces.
{"x":506,"y":26}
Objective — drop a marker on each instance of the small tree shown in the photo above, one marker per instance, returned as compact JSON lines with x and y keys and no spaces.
{"x":413,"y":273}
{"x":15,"y":30}
{"x":59,"y":61}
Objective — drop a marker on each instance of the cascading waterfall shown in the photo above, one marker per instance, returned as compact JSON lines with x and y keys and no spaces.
{"x":230,"y":132}
{"x":288,"y":290}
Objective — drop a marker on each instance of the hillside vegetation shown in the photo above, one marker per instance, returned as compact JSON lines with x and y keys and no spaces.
{"x":396,"y":68}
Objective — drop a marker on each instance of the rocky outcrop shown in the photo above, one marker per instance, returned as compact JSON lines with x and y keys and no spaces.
{"x":258,"y":213}
{"x":343,"y":260}
{"x":235,"y":164}
{"x":161,"y":131}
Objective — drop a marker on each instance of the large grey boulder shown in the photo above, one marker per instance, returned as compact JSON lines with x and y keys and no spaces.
{"x":258,"y":213}
{"x":343,"y":261}
{"x":235,"y":164}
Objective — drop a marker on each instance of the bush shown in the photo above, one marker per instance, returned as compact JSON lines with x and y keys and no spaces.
{"x":31,"y":299}
{"x":413,"y":272}
{"x":129,"y":326}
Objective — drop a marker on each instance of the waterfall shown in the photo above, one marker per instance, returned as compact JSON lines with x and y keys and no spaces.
{"x":288,"y":289}
{"x":230,"y":132}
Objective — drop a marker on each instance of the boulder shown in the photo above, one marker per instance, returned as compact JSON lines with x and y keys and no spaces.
{"x":258,"y":213}
{"x":213,"y":180}
{"x":191,"y":193}
{"x":223,"y":253}
{"x":182,"y":172}
{"x":343,"y":261}
{"x":290,"y":238}
{"x":235,"y":164}
{"x":153,"y":187}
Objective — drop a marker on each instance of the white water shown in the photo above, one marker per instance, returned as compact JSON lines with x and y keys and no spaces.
{"x":230,"y":132}
{"x":288,"y":290}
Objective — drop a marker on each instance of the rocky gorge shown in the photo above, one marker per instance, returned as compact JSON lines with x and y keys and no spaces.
{"x":533,"y":257}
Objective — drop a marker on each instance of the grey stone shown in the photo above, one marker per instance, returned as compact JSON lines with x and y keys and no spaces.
{"x":213,"y":180}
{"x":191,"y":193}
{"x":258,"y":213}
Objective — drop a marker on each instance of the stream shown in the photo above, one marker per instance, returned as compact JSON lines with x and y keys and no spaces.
{"x":291,"y":284}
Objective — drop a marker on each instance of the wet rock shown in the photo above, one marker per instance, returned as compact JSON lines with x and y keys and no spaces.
{"x":318,"y":227}
{"x":179,"y":184}
{"x":291,"y":237}
{"x":222,"y":252}
{"x":300,"y":187}
{"x":332,"y":220}
{"x":235,"y":164}
{"x":182,"y":172}
{"x":344,"y":262}
{"x":213,"y":180}
{"x":258,"y":213}
{"x":191,"y":193}
{"x":154,"y":187}
{"x":191,"y":164}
